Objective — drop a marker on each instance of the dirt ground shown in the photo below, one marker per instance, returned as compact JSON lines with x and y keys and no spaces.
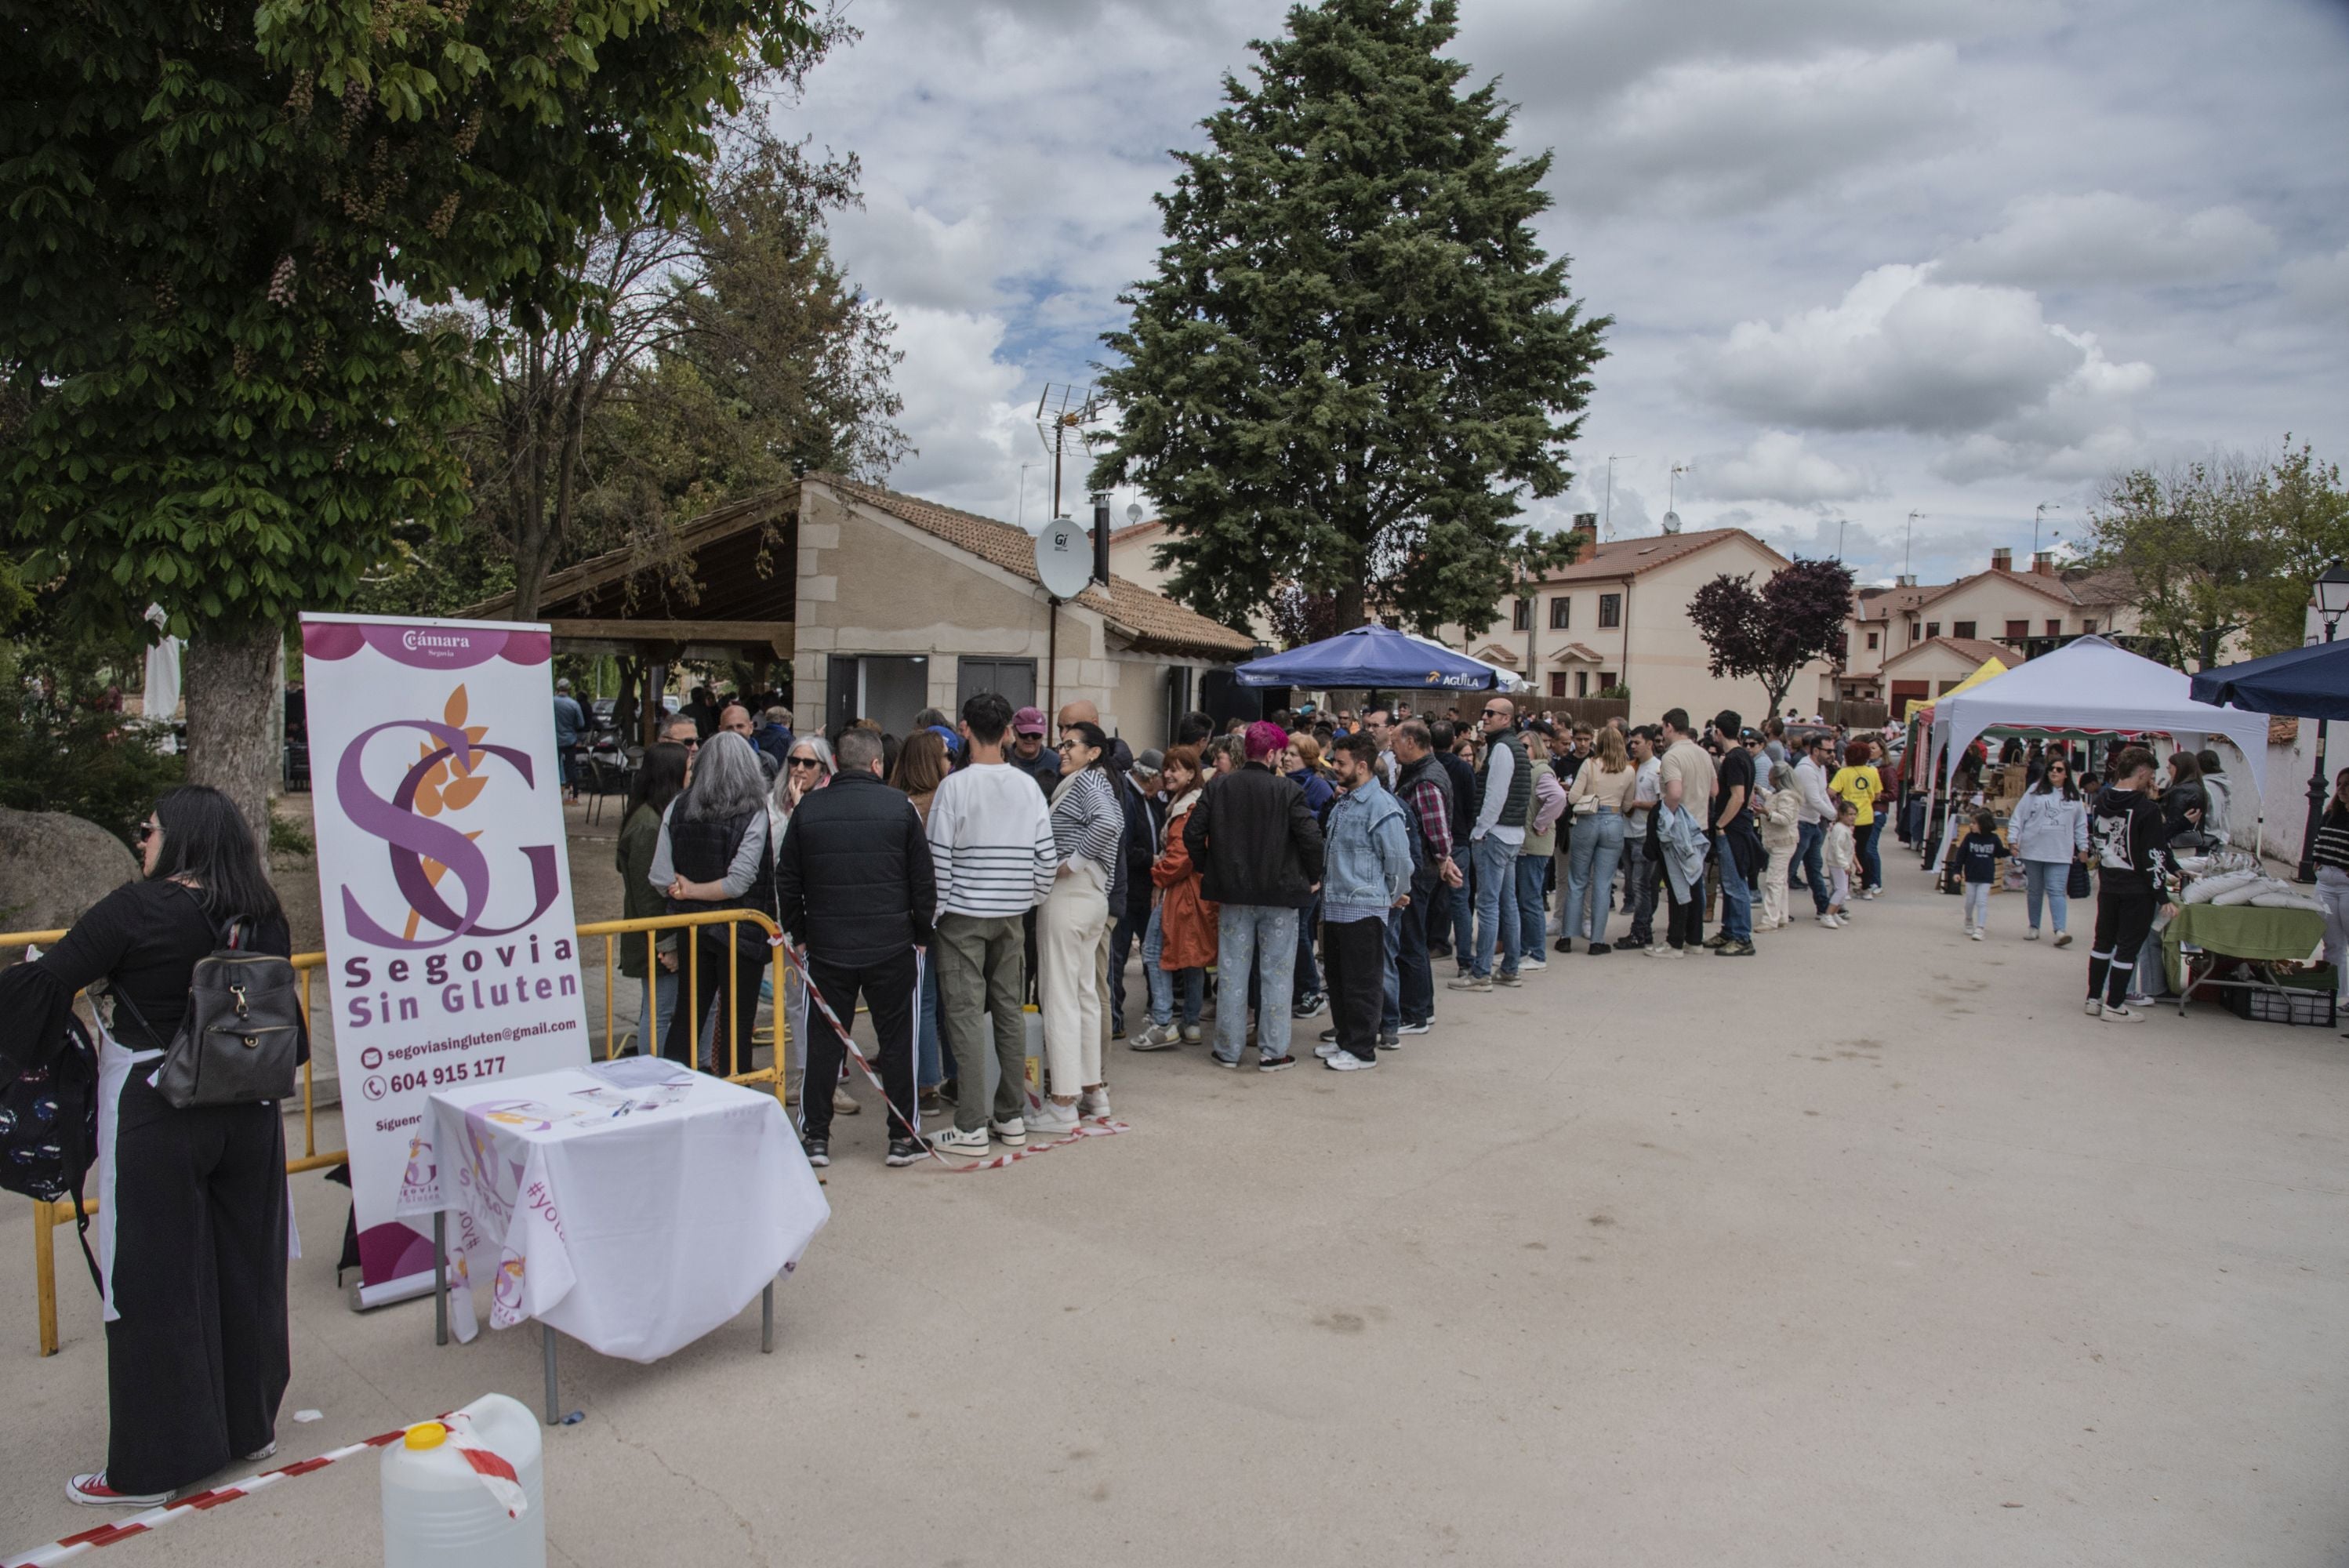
{"x":1870,"y":1249}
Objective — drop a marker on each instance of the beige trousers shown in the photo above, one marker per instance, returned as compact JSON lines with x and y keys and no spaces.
{"x":1070,"y":929}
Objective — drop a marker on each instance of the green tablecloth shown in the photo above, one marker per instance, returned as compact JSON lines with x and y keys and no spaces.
{"x":2240,"y":931}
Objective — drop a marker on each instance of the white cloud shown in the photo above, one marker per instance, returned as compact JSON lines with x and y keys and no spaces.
{"x":962,"y":408}
{"x":2322,"y":283}
{"x":1902,"y":351}
{"x":1718,"y":133}
{"x":1776,"y":466}
{"x":2107,"y":237}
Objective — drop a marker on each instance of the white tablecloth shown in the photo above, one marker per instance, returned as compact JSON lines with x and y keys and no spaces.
{"x":633,"y":1205}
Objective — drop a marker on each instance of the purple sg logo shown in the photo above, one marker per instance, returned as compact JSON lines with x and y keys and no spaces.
{"x":413,"y":839}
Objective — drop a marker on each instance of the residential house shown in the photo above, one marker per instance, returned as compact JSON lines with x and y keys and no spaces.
{"x":1923,"y":671}
{"x":1619,"y":615}
{"x":2022,"y":610}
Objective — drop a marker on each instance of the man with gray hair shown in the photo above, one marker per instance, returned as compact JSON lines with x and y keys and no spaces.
{"x":855,"y":888}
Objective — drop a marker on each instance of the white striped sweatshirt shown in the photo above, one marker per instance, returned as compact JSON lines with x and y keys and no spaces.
{"x":991,"y":840}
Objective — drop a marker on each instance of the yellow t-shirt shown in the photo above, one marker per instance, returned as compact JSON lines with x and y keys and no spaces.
{"x":1861,"y":786}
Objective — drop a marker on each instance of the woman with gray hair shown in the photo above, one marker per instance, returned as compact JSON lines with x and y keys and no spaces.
{"x":1781,"y":813}
{"x":711,"y":854}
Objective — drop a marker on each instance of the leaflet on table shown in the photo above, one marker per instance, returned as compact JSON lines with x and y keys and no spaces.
{"x":442,"y":877}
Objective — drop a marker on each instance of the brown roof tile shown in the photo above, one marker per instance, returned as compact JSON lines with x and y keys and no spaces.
{"x":1974,"y":649}
{"x":1154,"y":623}
{"x":1630,"y":557}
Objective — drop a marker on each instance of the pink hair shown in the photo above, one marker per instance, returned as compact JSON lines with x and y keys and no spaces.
{"x":1265,"y":738}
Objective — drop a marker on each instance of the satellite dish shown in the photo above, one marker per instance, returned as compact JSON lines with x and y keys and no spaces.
{"x":1064,"y":559}
{"x":1671,"y":522}
{"x":1133,"y":511}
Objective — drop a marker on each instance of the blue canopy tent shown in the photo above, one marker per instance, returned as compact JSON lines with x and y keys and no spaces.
{"x":1370,"y":656}
{"x":2310,"y":682}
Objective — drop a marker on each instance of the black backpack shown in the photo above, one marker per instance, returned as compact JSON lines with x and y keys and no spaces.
{"x":49,"y":1126}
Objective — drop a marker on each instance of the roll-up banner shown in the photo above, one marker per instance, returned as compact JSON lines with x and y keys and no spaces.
{"x":451,"y":954}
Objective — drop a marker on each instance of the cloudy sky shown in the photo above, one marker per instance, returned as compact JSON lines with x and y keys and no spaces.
{"x":1865,"y":256}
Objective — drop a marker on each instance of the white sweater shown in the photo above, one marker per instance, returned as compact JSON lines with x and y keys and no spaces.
{"x":991,"y":837}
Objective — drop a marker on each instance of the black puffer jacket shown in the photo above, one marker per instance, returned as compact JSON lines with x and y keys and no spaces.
{"x":853,"y":879}
{"x":1253,"y":840}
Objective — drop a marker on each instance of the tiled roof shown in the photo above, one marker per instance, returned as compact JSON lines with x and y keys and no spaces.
{"x":2111,"y":586}
{"x":1153,"y":621}
{"x":1497,"y":655}
{"x":1135,"y":533}
{"x":1883,"y":603}
{"x":2038,"y":582}
{"x":1630,"y":557}
{"x":1578,"y":654}
{"x":1974,"y":649}
{"x":2283,"y":731}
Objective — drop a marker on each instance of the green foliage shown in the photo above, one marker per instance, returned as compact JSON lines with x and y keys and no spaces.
{"x":2228,"y":546}
{"x":65,"y":744}
{"x":1353,"y":360}
{"x":286,"y":838}
{"x":1619,"y":692}
{"x":733,"y":355}
{"x":217,"y":392}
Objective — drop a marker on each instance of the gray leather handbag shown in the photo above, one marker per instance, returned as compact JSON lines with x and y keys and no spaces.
{"x":240,"y":1040}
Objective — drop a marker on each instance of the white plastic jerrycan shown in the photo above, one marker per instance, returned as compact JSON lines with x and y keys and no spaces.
{"x":435,"y":1504}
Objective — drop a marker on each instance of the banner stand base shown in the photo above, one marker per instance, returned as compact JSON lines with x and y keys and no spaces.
{"x":407,"y":1287}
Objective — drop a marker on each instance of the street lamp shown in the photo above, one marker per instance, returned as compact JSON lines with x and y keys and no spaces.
{"x":1909,"y":546}
{"x":2332,"y":603}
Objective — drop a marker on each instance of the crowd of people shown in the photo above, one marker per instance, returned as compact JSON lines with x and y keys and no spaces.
{"x":1278,"y":872}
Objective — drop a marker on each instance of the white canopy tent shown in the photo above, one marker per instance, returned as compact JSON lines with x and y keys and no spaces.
{"x":2092,"y":685}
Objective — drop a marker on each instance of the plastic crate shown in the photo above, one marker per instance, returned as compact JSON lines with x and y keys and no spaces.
{"x":2286,"y":1005}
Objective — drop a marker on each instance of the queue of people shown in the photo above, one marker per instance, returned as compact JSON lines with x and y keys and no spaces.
{"x":1284,"y":870}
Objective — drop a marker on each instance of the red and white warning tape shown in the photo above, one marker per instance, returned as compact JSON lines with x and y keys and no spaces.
{"x":1091,"y":1127}
{"x":156,"y":1518}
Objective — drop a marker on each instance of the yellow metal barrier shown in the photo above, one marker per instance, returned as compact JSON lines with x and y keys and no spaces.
{"x":47,"y":1217}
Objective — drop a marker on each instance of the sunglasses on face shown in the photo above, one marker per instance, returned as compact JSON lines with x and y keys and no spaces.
{"x":805,"y":762}
{"x":1492,"y":713}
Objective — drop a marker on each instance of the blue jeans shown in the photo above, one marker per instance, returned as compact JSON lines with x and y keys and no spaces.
{"x":1455,"y":923}
{"x":1390,"y":1010}
{"x":1161,"y":981}
{"x":1307,"y":972}
{"x":1496,"y":866}
{"x":1533,"y":875}
{"x":1736,"y":897}
{"x":1593,"y":847}
{"x":931,"y":1067}
{"x":1810,"y":840}
{"x":2047,"y":878}
{"x":657,"y":1006}
{"x":1869,"y":862}
{"x":1263,"y":937}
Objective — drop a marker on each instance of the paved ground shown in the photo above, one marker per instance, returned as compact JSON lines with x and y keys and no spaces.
{"x":1869,"y":1250}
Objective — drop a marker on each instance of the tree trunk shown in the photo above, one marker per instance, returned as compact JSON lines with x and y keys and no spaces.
{"x":231,"y":689}
{"x":1349,"y":614}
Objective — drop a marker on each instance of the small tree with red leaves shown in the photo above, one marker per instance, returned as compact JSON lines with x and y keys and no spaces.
{"x":1768,"y":634}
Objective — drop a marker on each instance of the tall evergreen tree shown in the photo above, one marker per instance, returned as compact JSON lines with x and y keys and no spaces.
{"x":1354,"y":360}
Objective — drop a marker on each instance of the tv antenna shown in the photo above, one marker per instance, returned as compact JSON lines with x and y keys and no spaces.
{"x":1671,"y":498}
{"x":1063,"y":410}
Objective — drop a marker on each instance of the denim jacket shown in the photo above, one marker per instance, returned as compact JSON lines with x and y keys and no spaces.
{"x":1368,"y":863}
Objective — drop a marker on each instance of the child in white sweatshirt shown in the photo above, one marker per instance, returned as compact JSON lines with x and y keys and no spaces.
{"x":1841,"y":853}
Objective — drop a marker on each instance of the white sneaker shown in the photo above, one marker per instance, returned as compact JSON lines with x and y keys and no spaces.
{"x":1826,"y":920}
{"x":265,"y":1451}
{"x":2094,"y":1007}
{"x":1157,"y":1038}
{"x":1524,"y":964}
{"x":1665,"y":950}
{"x":1093,"y":1102}
{"x":1328,"y":1049}
{"x":1348,"y":1062}
{"x":2032,"y":934}
{"x":1013,"y":1132}
{"x":2122,"y":1015}
{"x":1052,"y":1119}
{"x":1975,"y":933}
{"x":953,"y":1140}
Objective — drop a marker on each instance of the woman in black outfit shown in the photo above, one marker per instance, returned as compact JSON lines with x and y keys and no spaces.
{"x":712,"y":854}
{"x":192,"y":1225}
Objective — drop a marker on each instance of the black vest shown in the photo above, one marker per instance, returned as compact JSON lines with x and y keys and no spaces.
{"x":702,"y":849}
{"x":1423,"y":872}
